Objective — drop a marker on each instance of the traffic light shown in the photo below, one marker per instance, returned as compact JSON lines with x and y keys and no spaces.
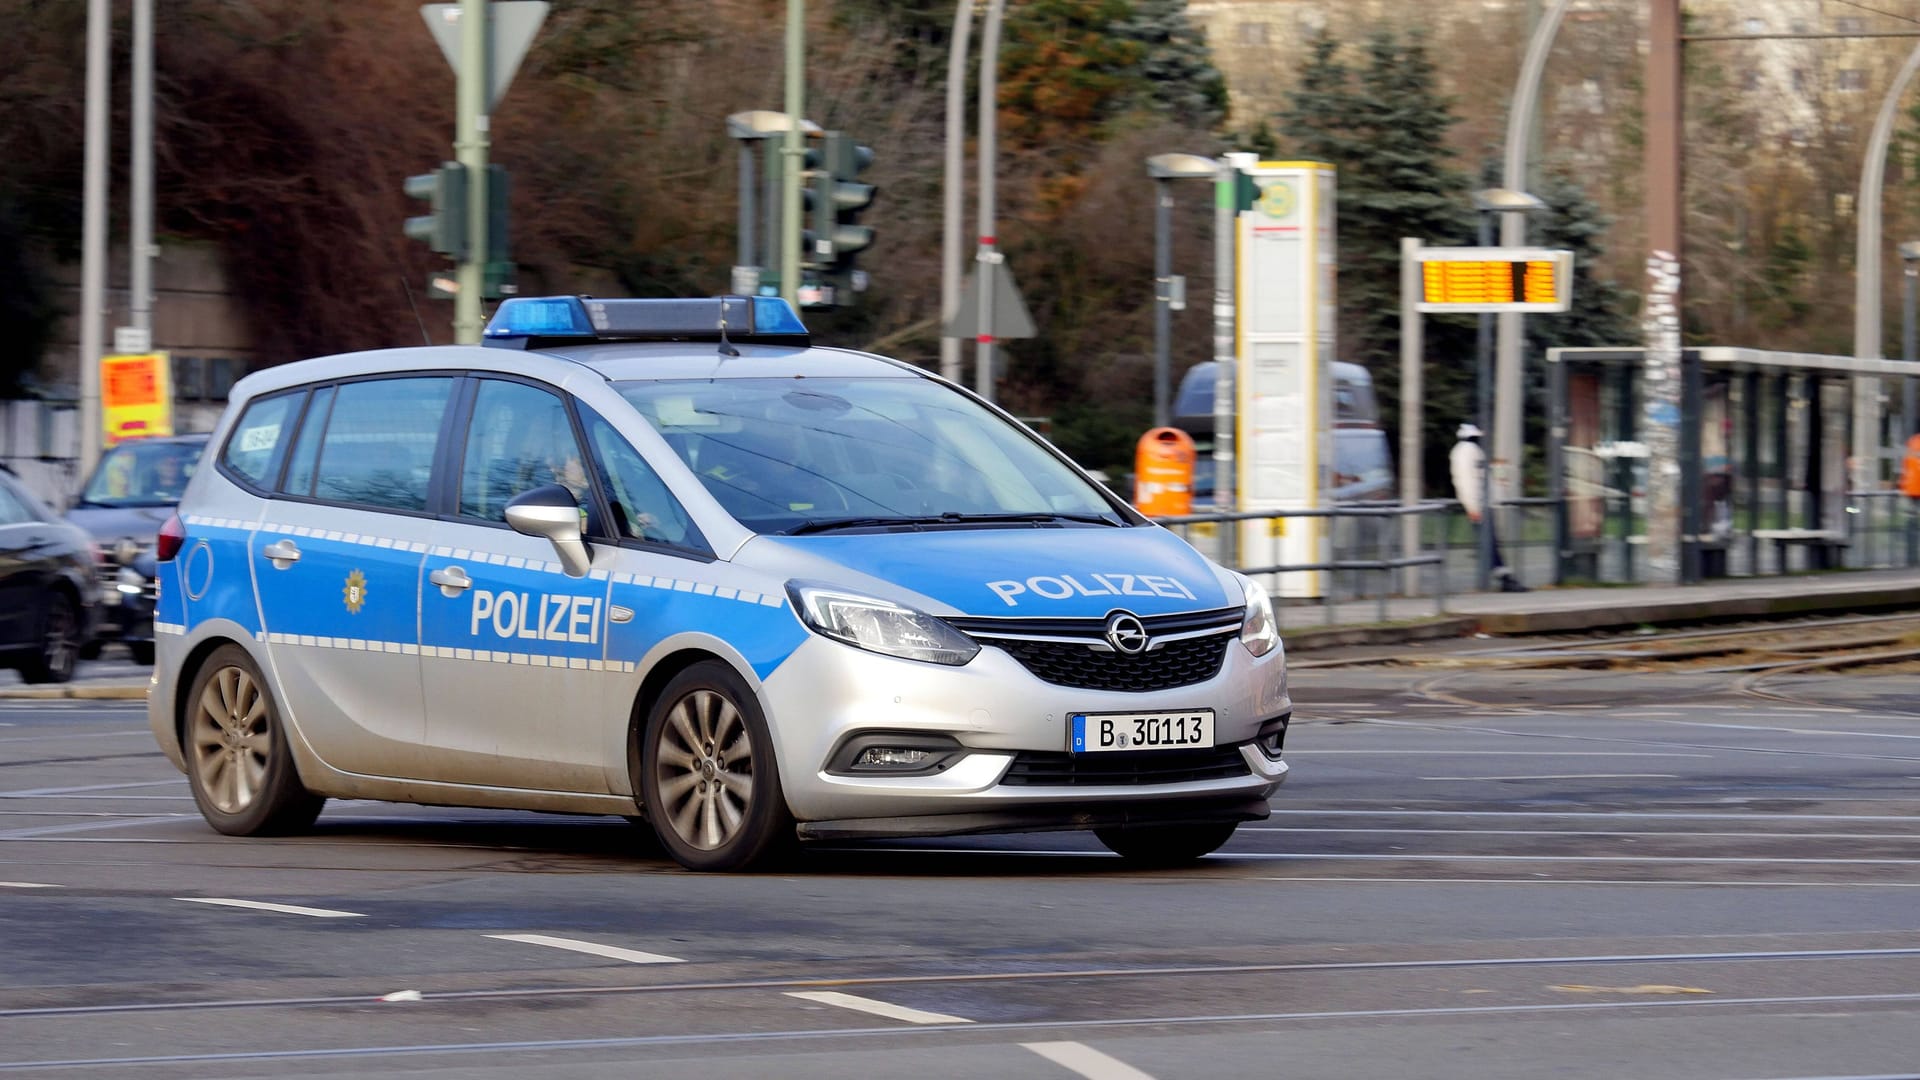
{"x":835,"y":199}
{"x":445,"y":228}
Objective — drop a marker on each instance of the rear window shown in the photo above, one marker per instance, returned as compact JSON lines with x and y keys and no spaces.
{"x":254,"y":446}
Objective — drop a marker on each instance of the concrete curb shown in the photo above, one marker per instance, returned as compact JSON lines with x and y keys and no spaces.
{"x":1334,"y":637}
{"x":1629,"y":612}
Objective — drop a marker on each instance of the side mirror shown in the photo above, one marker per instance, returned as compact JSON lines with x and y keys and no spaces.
{"x":551,"y":512}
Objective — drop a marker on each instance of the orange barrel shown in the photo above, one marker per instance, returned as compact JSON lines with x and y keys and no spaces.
{"x":1163,"y":473}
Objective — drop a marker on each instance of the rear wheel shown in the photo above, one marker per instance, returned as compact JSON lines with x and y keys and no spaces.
{"x":59,"y":642}
{"x":707,"y":775}
{"x":238,"y":761}
{"x":1166,"y":845}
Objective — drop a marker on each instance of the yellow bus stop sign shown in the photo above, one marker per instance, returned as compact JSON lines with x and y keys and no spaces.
{"x":136,"y":396}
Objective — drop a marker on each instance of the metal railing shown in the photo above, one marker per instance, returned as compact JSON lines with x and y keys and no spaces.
{"x":1360,"y":543}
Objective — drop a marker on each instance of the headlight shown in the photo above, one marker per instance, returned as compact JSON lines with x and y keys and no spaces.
{"x":129,"y":581}
{"x":1259,"y":632}
{"x":880,"y":625}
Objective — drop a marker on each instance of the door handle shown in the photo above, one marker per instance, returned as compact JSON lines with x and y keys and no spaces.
{"x":452,"y":580}
{"x":282,"y":553}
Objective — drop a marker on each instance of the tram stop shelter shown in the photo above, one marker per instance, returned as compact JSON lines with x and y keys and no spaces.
{"x":1764,"y":444}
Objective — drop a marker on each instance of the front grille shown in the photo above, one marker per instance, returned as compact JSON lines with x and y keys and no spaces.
{"x":1177,"y":663}
{"x":1047,"y":768}
{"x":1073,"y":652}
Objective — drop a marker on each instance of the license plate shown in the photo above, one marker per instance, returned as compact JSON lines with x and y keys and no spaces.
{"x":1095,"y":733}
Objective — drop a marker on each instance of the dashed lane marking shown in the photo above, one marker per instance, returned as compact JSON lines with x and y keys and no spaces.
{"x":1086,"y":1061}
{"x":26,"y":885}
{"x":1565,"y":776}
{"x":284,"y":909}
{"x":30,"y":793}
{"x":877,"y":1008}
{"x":631,"y":956}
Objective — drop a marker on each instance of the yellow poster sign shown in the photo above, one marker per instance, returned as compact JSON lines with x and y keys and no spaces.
{"x":136,"y":396}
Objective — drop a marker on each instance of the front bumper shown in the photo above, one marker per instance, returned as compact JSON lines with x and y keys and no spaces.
{"x":1015,"y":773}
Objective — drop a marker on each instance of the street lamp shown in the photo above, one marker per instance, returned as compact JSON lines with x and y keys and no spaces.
{"x":1491,"y":201}
{"x":1168,"y":291}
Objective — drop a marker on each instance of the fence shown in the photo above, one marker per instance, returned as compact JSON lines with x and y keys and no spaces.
{"x":1880,"y":530}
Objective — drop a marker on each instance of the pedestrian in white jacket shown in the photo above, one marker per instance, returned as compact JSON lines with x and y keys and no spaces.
{"x":1468,"y":463}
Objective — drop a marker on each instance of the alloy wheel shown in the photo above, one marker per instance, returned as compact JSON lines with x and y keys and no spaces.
{"x":703,"y":767}
{"x":232,"y":739}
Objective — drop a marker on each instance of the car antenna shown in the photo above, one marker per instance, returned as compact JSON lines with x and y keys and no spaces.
{"x":726,"y":347}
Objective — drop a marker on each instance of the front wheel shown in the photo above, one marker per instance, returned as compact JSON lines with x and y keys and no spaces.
{"x":707,"y":775}
{"x":1166,"y":845}
{"x":59,"y":642}
{"x":238,"y":762}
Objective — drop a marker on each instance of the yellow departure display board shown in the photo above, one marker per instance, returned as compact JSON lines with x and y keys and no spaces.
{"x":1495,"y":279}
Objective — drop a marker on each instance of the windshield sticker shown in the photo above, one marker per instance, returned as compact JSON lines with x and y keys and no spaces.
{"x":1067,"y":586}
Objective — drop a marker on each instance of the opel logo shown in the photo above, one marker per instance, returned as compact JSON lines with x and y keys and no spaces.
{"x":1126,"y":633}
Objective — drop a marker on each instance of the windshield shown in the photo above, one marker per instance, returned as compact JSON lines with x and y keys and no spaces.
{"x":142,"y":474}
{"x":793,"y":455}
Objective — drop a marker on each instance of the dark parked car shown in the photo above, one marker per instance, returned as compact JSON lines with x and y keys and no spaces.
{"x":130,"y":495}
{"x":46,"y":586}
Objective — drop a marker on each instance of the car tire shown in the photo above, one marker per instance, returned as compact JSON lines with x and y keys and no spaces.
{"x":707,"y":775}
{"x":238,"y":762}
{"x":141,"y":651}
{"x":59,"y":648}
{"x":1166,"y":845}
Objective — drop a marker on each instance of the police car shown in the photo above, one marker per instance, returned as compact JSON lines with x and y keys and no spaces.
{"x":664,"y":559}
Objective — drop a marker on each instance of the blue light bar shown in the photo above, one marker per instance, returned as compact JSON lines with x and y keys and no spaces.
{"x":540,"y":316}
{"x":531,"y":322}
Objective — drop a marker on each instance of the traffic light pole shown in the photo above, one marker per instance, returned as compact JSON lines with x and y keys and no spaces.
{"x":986,"y":255}
{"x":470,"y":146}
{"x":795,"y":155}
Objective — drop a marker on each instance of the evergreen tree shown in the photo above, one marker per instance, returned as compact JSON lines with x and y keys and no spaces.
{"x":1176,"y":63}
{"x":1385,"y":128}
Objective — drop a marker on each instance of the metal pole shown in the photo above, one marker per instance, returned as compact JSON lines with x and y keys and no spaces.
{"x":1865,"y":473}
{"x":745,"y":253}
{"x":774,"y":237}
{"x":140,"y":240}
{"x":1661,"y":324}
{"x":93,"y":234}
{"x":470,"y":150}
{"x":954,"y":195}
{"x":1162,"y":298}
{"x":1483,"y":418}
{"x":985,"y":255}
{"x":1226,"y":201}
{"x":1412,"y":394}
{"x":795,"y":162}
{"x":1505,"y":445}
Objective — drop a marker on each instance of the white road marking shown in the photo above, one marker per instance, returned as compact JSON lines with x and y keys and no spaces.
{"x":631,"y":956}
{"x":877,"y":1008}
{"x":1687,"y":835}
{"x":1666,"y":814}
{"x":87,"y":826}
{"x":285,"y":909}
{"x":1086,"y":1061}
{"x":1564,"y":776}
{"x":33,"y":792}
{"x":1296,"y":856}
{"x":77,"y":735}
{"x":1603,"y":881}
{"x":27,"y":885}
{"x":1420,"y":752}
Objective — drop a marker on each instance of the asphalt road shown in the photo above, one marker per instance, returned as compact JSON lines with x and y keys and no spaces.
{"x":1472,"y":874}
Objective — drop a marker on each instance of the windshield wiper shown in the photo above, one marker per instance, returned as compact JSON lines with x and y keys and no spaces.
{"x":951,"y":517}
{"x":820,"y":525}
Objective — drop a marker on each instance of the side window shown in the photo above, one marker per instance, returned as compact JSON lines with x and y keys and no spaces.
{"x":380,"y":440}
{"x":642,"y":507}
{"x":12,"y":510}
{"x":519,"y":439}
{"x":252,"y":449}
{"x":306,"y":448}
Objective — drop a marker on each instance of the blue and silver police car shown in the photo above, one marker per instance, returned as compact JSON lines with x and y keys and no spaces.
{"x":665,"y":559}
